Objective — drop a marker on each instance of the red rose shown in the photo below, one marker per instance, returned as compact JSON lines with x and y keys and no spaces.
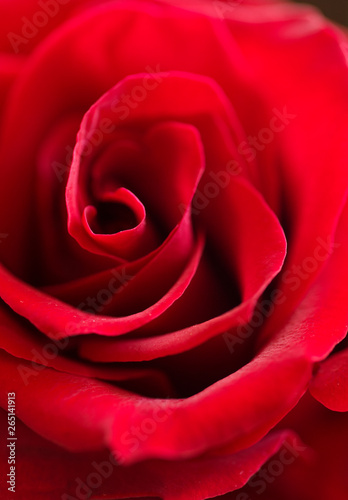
{"x":173,"y":225}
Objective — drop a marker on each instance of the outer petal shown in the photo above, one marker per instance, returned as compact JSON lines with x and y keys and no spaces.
{"x":26,"y":23}
{"x":10,"y":67}
{"x":322,"y":475}
{"x":330,"y":384}
{"x":47,"y":471}
{"x":289,"y":359}
{"x":63,"y":409}
{"x":275,"y":41}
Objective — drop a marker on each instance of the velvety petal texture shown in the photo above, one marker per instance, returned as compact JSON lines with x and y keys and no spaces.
{"x":58,"y":474}
{"x":173,"y":244}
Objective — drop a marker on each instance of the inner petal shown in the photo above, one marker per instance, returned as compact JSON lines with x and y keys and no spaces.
{"x":117,"y":211}
{"x":129,"y":188}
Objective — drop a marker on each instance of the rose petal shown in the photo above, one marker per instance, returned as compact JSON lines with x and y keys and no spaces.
{"x":275,"y":41}
{"x":169,"y":140}
{"x":24,"y":343}
{"x":10,"y":68}
{"x":330,"y":384}
{"x":254,"y":225}
{"x":58,"y":258}
{"x":47,"y":470}
{"x":59,"y":320}
{"x":185,"y":428}
{"x":42,"y":80}
{"x":320,"y":322}
{"x":322,"y":474}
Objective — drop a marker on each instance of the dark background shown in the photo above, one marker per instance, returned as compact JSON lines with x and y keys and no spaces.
{"x":334,"y":9}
